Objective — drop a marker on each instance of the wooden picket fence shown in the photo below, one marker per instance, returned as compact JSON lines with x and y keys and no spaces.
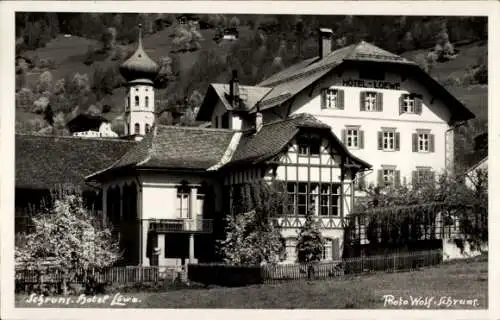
{"x":351,"y":266}
{"x":115,"y":275}
{"x":234,"y":275}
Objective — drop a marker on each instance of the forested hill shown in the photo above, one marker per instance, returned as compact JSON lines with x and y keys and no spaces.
{"x":68,"y":62}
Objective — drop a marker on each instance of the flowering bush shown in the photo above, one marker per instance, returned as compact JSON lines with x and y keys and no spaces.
{"x":69,"y":237}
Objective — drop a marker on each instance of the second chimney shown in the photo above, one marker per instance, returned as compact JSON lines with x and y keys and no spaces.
{"x":234,"y":90}
{"x":325,"y":42}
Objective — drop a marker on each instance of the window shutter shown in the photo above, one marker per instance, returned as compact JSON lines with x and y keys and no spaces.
{"x":361,"y":139}
{"x":380,"y":140}
{"x":396,"y":141}
{"x":401,"y":102}
{"x":323,"y":98}
{"x":343,"y":136}
{"x":380,"y":178}
{"x":362,"y":106}
{"x":414,"y":177}
{"x":431,"y":143}
{"x":340,"y":99}
{"x":418,"y":105}
{"x":379,"y":101}
{"x":414,"y":140}
{"x":397,"y":178}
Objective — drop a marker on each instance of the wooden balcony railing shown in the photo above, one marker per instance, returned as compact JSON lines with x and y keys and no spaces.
{"x":181,"y":225}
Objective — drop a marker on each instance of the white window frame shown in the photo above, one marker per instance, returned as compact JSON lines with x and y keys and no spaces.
{"x":423,"y":142}
{"x":388,"y":140}
{"x":182,"y":203}
{"x":388,"y":176}
{"x":409,"y":102}
{"x":370,"y":101}
{"x":331,"y":96}
{"x":352,"y":137}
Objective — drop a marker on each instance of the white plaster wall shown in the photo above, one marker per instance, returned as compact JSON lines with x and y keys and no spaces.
{"x":434,"y":117}
{"x":141,"y":114}
{"x":159,"y":193}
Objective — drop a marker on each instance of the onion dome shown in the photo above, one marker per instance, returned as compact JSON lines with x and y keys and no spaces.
{"x":139,"y":65}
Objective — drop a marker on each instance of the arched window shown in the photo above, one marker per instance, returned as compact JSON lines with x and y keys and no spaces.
{"x":147,"y":102}
{"x":137,"y":128}
{"x":147,"y":127}
{"x":136,"y":101}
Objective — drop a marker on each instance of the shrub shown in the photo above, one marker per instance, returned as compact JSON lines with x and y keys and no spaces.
{"x":69,"y":236}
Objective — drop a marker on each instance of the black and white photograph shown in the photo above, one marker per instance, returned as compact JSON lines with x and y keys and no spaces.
{"x":234,"y":158}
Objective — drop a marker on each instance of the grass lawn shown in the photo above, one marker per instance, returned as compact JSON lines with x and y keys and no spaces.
{"x":460,"y":280}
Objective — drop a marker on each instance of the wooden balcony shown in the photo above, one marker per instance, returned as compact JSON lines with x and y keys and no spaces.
{"x":181,"y":225}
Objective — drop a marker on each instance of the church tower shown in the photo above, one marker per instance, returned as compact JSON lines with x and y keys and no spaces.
{"x":139,"y":71}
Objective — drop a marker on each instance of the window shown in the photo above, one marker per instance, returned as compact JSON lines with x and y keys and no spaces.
{"x":225,"y":121}
{"x":423,"y":175}
{"x":147,"y":128}
{"x":410,"y":103}
{"x":423,"y":141}
{"x":302,"y":199}
{"x":146,"y":102}
{"x":216,"y":121}
{"x":370,"y":101}
{"x":137,"y":128}
{"x":388,"y":139}
{"x":136,"y":101}
{"x":183,"y":202}
{"x":332,"y":99}
{"x":327,"y":250}
{"x":309,"y":147}
{"x":388,"y":176}
{"x":352,"y":139}
{"x":329,"y":200}
{"x":292,"y":197}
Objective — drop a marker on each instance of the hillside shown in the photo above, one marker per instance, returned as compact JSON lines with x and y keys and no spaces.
{"x":68,"y":55}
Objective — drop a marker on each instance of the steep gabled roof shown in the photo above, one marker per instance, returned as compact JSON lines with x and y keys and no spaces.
{"x":175,"y":148}
{"x":274,"y":136}
{"x":44,"y":162}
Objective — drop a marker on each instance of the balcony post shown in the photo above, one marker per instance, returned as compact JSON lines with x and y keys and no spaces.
{"x":192,"y":209}
{"x":191,"y":248}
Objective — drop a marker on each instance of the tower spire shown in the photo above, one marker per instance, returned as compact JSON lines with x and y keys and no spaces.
{"x":139,"y":42}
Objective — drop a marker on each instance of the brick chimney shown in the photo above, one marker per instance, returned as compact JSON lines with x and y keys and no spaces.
{"x":325,"y":42}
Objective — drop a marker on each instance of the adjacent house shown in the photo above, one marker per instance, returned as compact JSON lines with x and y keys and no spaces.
{"x":89,"y":125}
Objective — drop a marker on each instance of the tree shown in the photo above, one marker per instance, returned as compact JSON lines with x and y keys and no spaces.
{"x":44,"y":82}
{"x":68,"y":237}
{"x":251,"y":237}
{"x":310,"y":241}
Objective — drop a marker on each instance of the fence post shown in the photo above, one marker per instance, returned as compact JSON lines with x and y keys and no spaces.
{"x":394,"y":263}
